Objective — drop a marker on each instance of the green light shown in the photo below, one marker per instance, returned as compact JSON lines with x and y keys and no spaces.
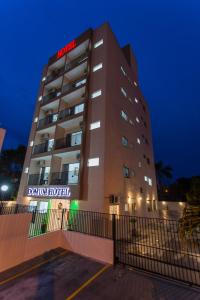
{"x":74,"y":205}
{"x":73,"y":210}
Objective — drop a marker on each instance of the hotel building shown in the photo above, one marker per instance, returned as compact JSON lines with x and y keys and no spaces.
{"x":90,"y":145}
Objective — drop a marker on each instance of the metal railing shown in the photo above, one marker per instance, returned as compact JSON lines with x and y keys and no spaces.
{"x":55,"y":178}
{"x":50,"y":119}
{"x":38,"y":179}
{"x":73,"y":85}
{"x":41,"y":148}
{"x":50,"y":96}
{"x":152,"y":244}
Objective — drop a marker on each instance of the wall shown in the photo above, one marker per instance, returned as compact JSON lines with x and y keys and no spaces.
{"x":16,"y":247}
{"x":91,"y":246}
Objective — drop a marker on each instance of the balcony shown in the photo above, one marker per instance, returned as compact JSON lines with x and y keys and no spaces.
{"x":47,"y":98}
{"x":65,"y":178}
{"x":72,"y":86}
{"x":71,"y":140}
{"x":50,"y":119}
{"x":47,"y":146}
{"x":58,"y":178}
{"x":72,"y":111}
{"x":57,"y":72}
{"x":38,"y":179}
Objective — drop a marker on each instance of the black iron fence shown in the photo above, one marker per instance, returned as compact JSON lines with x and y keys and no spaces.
{"x":151,"y":244}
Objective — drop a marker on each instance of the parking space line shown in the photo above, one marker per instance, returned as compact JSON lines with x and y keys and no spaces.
{"x":87,"y":282}
{"x":30,"y":269}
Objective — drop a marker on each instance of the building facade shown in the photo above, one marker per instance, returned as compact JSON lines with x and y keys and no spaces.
{"x":90,"y":145}
{"x":2,"y":136}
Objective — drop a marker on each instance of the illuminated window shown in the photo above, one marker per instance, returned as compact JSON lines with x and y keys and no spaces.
{"x":97,"y":67}
{"x":150,"y":181}
{"x":81,"y":82}
{"x":124,"y":141}
{"x":99,"y":43}
{"x":36,"y":119}
{"x":79,"y":108}
{"x":139,"y":164}
{"x":138,"y":141}
{"x":95,"y":125}
{"x":136,"y":100}
{"x":130,"y":100}
{"x":131,"y":122}
{"x":43,"y":79}
{"x":26,"y":170}
{"x":123,"y":92}
{"x":40,"y":98}
{"x":124,"y":115}
{"x":96,"y":94}
{"x":135,"y":83}
{"x":137,"y":120}
{"x":31,"y":144}
{"x":126,"y":172}
{"x":145,"y":178}
{"x":92,"y":162}
{"x":123,"y":71}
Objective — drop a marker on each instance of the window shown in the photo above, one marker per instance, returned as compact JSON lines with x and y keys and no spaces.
{"x":123,"y":71}
{"x":135,"y":83}
{"x":150,"y":181}
{"x":26,"y":170}
{"x":137,"y":120}
{"x":92,"y":162}
{"x":99,"y":43}
{"x":130,"y":100}
{"x":76,"y":138}
{"x":124,"y":115}
{"x":123,"y":92}
{"x":95,"y":125}
{"x":139,"y":164}
{"x":124,"y":141}
{"x":40,"y":98}
{"x":36,"y":119}
{"x":81,"y":82}
{"x":50,"y":144}
{"x":43,"y":79}
{"x":126,"y":207}
{"x":138,"y":141}
{"x":114,"y":209}
{"x":126,"y":172}
{"x":31,"y":144}
{"x":131,"y":122}
{"x":145,"y":178}
{"x":97,"y":67}
{"x":79,"y":108}
{"x":96,"y":94}
{"x":136,"y":100}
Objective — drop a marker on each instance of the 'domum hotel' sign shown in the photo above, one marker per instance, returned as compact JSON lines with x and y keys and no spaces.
{"x":53,"y":191}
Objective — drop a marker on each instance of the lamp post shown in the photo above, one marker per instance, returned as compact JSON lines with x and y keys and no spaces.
{"x":4,"y":189}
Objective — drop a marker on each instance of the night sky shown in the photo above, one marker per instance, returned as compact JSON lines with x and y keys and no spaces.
{"x":165,"y":36}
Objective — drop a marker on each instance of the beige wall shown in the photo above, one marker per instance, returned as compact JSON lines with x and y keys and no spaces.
{"x":91,"y":246}
{"x":16,"y":247}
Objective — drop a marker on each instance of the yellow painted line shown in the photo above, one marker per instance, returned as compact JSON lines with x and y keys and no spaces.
{"x":30,"y":269}
{"x":87,"y":282}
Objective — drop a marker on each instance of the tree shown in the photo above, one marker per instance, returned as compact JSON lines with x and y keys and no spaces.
{"x":193,"y":196}
{"x":162,"y":173}
{"x":11,"y":165}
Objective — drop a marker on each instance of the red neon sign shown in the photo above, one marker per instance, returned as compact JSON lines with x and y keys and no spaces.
{"x":66,"y":49}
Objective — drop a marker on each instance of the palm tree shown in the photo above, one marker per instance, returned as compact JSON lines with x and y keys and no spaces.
{"x":162,"y":172}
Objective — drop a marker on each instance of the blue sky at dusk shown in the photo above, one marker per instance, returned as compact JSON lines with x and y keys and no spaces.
{"x":165,"y":37}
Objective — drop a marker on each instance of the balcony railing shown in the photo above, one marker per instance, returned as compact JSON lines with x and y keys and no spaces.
{"x":38,"y":179}
{"x":64,"y":178}
{"x":67,"y":142}
{"x":50,"y":119}
{"x":50,"y":96}
{"x":58,"y":178}
{"x":73,"y":85}
{"x":41,"y":148}
{"x":56,"y":73}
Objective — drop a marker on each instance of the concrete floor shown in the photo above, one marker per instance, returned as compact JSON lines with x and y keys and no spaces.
{"x":58,"y":279}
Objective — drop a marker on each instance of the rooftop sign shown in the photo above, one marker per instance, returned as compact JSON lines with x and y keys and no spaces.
{"x":51,"y":191}
{"x":66,"y":49}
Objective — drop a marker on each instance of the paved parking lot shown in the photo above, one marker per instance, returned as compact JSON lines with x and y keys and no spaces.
{"x":63,"y":275}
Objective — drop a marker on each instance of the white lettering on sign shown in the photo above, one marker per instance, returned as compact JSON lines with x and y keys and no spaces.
{"x":62,"y":192}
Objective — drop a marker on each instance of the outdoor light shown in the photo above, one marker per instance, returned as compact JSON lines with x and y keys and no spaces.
{"x":4,"y":188}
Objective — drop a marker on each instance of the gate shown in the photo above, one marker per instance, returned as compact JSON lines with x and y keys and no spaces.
{"x":155,"y":245}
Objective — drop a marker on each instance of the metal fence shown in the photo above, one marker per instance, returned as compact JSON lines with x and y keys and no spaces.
{"x":155,"y":245}
{"x":151,"y":244}
{"x":13,"y":209}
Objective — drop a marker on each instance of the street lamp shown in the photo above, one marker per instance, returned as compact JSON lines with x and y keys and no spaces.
{"x":4,"y":189}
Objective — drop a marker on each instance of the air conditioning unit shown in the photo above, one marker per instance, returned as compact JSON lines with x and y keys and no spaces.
{"x":44,"y":136}
{"x":41,"y":163}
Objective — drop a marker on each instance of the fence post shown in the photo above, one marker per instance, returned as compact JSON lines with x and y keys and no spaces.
{"x":114,"y":237}
{"x":63,"y":211}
